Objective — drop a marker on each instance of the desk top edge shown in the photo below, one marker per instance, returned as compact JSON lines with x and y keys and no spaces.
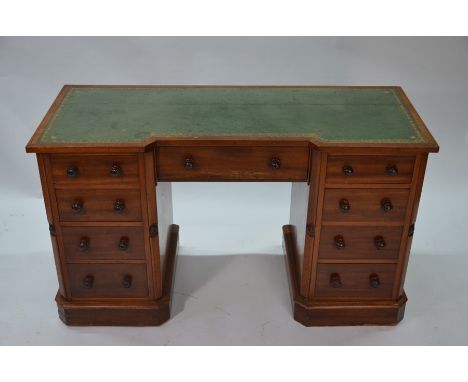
{"x":428,"y":143}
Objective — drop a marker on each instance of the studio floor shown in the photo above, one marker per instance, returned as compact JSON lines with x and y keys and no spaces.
{"x":235,"y":300}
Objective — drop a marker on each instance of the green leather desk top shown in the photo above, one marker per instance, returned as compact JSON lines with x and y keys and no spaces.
{"x":135,"y":114}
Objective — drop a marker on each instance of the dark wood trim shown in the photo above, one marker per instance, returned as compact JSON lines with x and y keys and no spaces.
{"x":59,"y":249}
{"x":150,"y":202}
{"x":145,"y":195}
{"x":320,"y":189}
{"x":412,"y":214}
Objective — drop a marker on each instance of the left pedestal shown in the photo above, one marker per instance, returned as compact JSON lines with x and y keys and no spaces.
{"x":114,"y":243}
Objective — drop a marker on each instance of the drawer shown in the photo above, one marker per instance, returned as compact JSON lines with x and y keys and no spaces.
{"x":93,"y":243}
{"x":341,"y":242}
{"x":370,"y":169}
{"x":355,"y":280}
{"x":236,"y":163}
{"x":108,"y":280}
{"x":99,"y":170}
{"x":99,"y":205}
{"x":365,"y":205}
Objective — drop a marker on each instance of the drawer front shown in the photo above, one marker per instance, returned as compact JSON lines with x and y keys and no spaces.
{"x":93,"y":243}
{"x":370,"y":169}
{"x":362,"y":205}
{"x":100,"y":170}
{"x":342,"y":242}
{"x":236,"y":163}
{"x":108,"y":280}
{"x":99,"y":205}
{"x":355,"y":280}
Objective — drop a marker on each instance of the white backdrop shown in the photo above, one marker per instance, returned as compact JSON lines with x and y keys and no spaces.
{"x":233,"y":218}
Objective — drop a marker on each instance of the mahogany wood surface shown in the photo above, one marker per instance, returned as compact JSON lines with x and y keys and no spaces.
{"x":365,"y":205}
{"x":114,"y":243}
{"x":369,"y":169}
{"x":233,"y":163}
{"x":108,"y":280}
{"x":353,"y":210}
{"x":95,"y":171}
{"x":99,"y":205}
{"x":360,"y":243}
{"x":355,"y":280}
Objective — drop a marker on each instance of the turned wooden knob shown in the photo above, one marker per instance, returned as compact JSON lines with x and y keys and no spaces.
{"x":275,"y":163}
{"x":77,"y":205}
{"x":344,"y":205}
{"x":123,"y":243}
{"x":386,"y":204}
{"x":72,"y":171}
{"x":115,"y":170}
{"x":119,"y":205}
{"x":339,"y":242}
{"x":127,"y":281}
{"x":83,"y":244}
{"x":335,"y":280}
{"x":347,"y":170}
{"x":374,"y":281}
{"x":188,"y":163}
{"x":392,"y":169}
{"x":88,"y":281}
{"x":379,"y":242}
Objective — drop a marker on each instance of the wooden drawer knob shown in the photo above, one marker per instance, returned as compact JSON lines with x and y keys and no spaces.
{"x":77,"y":205}
{"x":386,"y":204}
{"x":72,"y":171}
{"x":123,"y":243}
{"x":347,"y":170}
{"x":83,"y":244}
{"x":127,"y":281}
{"x":379,"y":242}
{"x":392,"y":169}
{"x":374,"y":281}
{"x":115,"y":170}
{"x":344,"y":205}
{"x":88,"y":281}
{"x":275,"y":163}
{"x":119,"y":205}
{"x":339,"y":242}
{"x":335,"y":280}
{"x":188,"y":163}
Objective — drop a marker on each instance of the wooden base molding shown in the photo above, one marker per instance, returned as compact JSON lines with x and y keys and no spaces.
{"x":335,"y":313}
{"x":126,"y":313}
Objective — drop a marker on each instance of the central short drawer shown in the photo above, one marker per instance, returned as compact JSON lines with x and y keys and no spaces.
{"x":108,"y":280}
{"x":233,"y":163}
{"x":99,"y":205}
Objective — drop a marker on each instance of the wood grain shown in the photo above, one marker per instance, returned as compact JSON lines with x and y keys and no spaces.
{"x":103,"y":243}
{"x":355,"y":280}
{"x":98,"y":205}
{"x":94,"y":171}
{"x":232,"y":163}
{"x":365,"y":205}
{"x":369,"y":169}
{"x":108,"y":280}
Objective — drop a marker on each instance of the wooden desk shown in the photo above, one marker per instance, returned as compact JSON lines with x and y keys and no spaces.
{"x":356,"y":158}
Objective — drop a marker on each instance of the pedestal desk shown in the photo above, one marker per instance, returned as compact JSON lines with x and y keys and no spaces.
{"x":356,"y":157}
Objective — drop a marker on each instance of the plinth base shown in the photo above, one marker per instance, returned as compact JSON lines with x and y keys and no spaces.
{"x":125,"y":313}
{"x":335,"y":313}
